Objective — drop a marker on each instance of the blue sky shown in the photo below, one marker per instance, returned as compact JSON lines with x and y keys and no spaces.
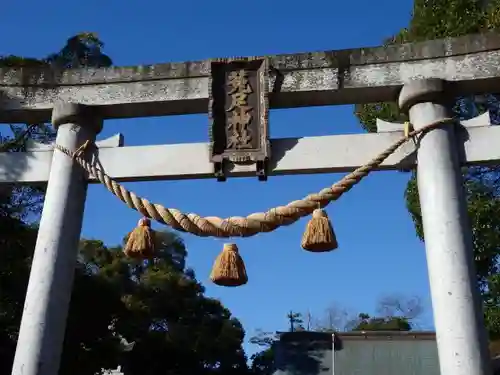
{"x":378,"y":253}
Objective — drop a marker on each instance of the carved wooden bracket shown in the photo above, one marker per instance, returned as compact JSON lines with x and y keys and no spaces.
{"x":239,"y":114}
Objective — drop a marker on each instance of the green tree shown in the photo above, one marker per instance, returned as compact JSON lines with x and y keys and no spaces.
{"x":295,"y":320}
{"x":16,"y":244}
{"x":452,"y":18}
{"x":393,"y":323}
{"x":263,"y":361}
{"x":129,"y":313}
{"x":165,"y":314}
{"x":80,"y":51}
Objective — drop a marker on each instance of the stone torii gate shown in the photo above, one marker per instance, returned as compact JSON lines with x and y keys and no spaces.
{"x":422,"y":76}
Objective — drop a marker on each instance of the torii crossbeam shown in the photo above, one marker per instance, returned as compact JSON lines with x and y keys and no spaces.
{"x":424,"y":76}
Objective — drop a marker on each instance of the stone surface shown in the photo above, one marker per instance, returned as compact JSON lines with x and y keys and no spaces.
{"x":460,"y":333}
{"x":113,"y":141}
{"x":43,"y":323}
{"x":478,"y":121}
{"x":326,"y":154}
{"x":306,"y":79}
{"x":68,"y":113}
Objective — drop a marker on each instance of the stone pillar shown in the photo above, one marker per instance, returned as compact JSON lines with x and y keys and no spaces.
{"x":460,"y":333}
{"x":43,"y":324}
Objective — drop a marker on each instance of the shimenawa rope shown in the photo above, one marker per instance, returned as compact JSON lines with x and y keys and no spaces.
{"x":235,"y":226}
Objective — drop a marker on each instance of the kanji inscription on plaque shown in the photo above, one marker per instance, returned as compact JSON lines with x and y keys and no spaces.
{"x":238,"y":112}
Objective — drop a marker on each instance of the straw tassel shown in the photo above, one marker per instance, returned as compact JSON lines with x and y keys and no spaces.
{"x":229,"y":268}
{"x":140,"y":242}
{"x":319,"y":235}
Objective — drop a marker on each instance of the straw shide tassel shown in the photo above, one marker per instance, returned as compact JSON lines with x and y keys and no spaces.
{"x":140,"y":242}
{"x":229,"y":268}
{"x":319,"y":235}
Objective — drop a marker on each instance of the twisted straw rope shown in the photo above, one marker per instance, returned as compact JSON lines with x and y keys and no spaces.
{"x":236,"y":226}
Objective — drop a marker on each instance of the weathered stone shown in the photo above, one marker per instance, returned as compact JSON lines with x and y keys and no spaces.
{"x":306,"y":79}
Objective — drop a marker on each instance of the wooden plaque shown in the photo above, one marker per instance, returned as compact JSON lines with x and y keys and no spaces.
{"x":238,"y":113}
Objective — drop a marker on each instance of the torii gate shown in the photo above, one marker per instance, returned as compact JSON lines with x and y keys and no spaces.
{"x":423,"y":76}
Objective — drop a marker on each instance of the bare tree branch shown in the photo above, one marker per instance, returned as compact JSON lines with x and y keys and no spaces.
{"x":399,"y":305}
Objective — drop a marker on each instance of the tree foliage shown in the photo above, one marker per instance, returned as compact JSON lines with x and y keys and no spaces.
{"x":82,"y":50}
{"x":159,"y":309}
{"x":393,"y":323}
{"x":453,"y":18}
